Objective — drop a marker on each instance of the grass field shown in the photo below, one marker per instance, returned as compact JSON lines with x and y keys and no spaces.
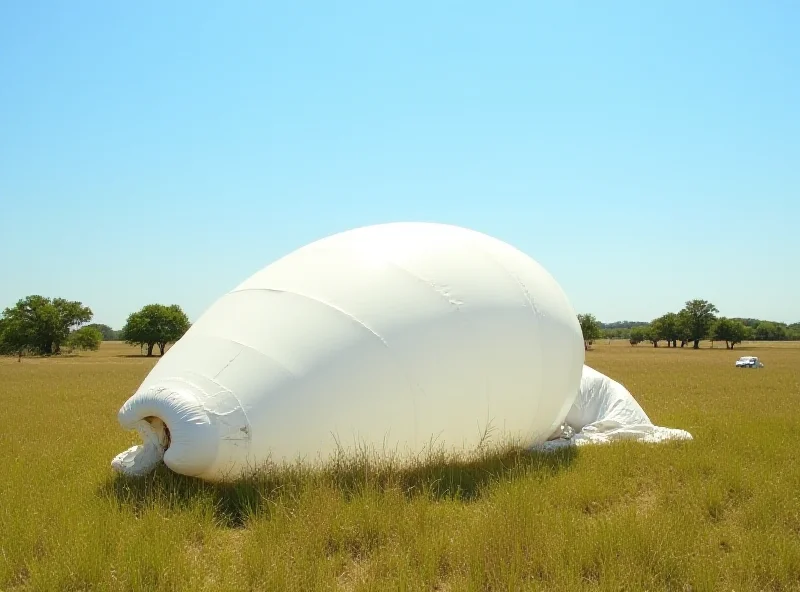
{"x":719,"y":513}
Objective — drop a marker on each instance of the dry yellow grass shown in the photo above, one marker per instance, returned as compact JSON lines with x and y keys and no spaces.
{"x":719,"y":513}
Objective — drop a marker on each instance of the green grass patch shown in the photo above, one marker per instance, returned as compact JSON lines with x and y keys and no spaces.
{"x":721,"y":512}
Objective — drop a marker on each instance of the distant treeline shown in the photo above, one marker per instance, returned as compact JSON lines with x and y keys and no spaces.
{"x":107,"y":332}
{"x":625,"y":325}
{"x":38,"y":325}
{"x":758,"y":330}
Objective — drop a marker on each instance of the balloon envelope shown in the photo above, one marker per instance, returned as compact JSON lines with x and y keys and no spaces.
{"x":391,"y":335}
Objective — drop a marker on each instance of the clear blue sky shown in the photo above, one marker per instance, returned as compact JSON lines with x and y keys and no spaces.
{"x":645,"y":152}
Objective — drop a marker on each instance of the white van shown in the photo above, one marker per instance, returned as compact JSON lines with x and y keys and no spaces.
{"x":749,"y":362}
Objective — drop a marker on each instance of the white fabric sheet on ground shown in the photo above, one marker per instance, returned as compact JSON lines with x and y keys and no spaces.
{"x":605,"y":411}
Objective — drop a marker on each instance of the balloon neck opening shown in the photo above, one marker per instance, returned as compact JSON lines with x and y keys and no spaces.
{"x":175,"y":427}
{"x":161,"y":430}
{"x":144,"y":458}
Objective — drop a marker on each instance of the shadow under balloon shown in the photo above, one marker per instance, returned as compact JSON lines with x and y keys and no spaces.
{"x":278,"y":488}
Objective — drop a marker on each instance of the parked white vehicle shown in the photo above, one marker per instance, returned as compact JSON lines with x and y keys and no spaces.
{"x":749,"y":362}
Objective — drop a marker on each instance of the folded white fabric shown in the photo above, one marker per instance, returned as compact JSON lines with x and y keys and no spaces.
{"x":605,"y":411}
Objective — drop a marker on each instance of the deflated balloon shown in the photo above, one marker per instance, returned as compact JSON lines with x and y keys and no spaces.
{"x":391,"y":335}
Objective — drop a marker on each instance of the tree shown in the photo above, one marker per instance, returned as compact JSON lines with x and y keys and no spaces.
{"x":618,"y":333}
{"x":729,"y":331}
{"x":590,"y":328}
{"x":85,"y":338}
{"x":42,"y":324}
{"x":683,"y":327}
{"x":14,"y":338}
{"x":667,"y":327}
{"x":695,"y":320}
{"x":652,"y":334}
{"x":638,"y":334}
{"x":155,"y":324}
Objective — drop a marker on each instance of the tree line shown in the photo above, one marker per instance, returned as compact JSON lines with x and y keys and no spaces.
{"x":37,"y":325}
{"x":695,"y":322}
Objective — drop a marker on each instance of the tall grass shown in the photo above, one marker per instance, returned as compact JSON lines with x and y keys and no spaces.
{"x":719,"y":513}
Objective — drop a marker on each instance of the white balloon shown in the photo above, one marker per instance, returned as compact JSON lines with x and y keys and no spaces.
{"x":392,"y":335}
